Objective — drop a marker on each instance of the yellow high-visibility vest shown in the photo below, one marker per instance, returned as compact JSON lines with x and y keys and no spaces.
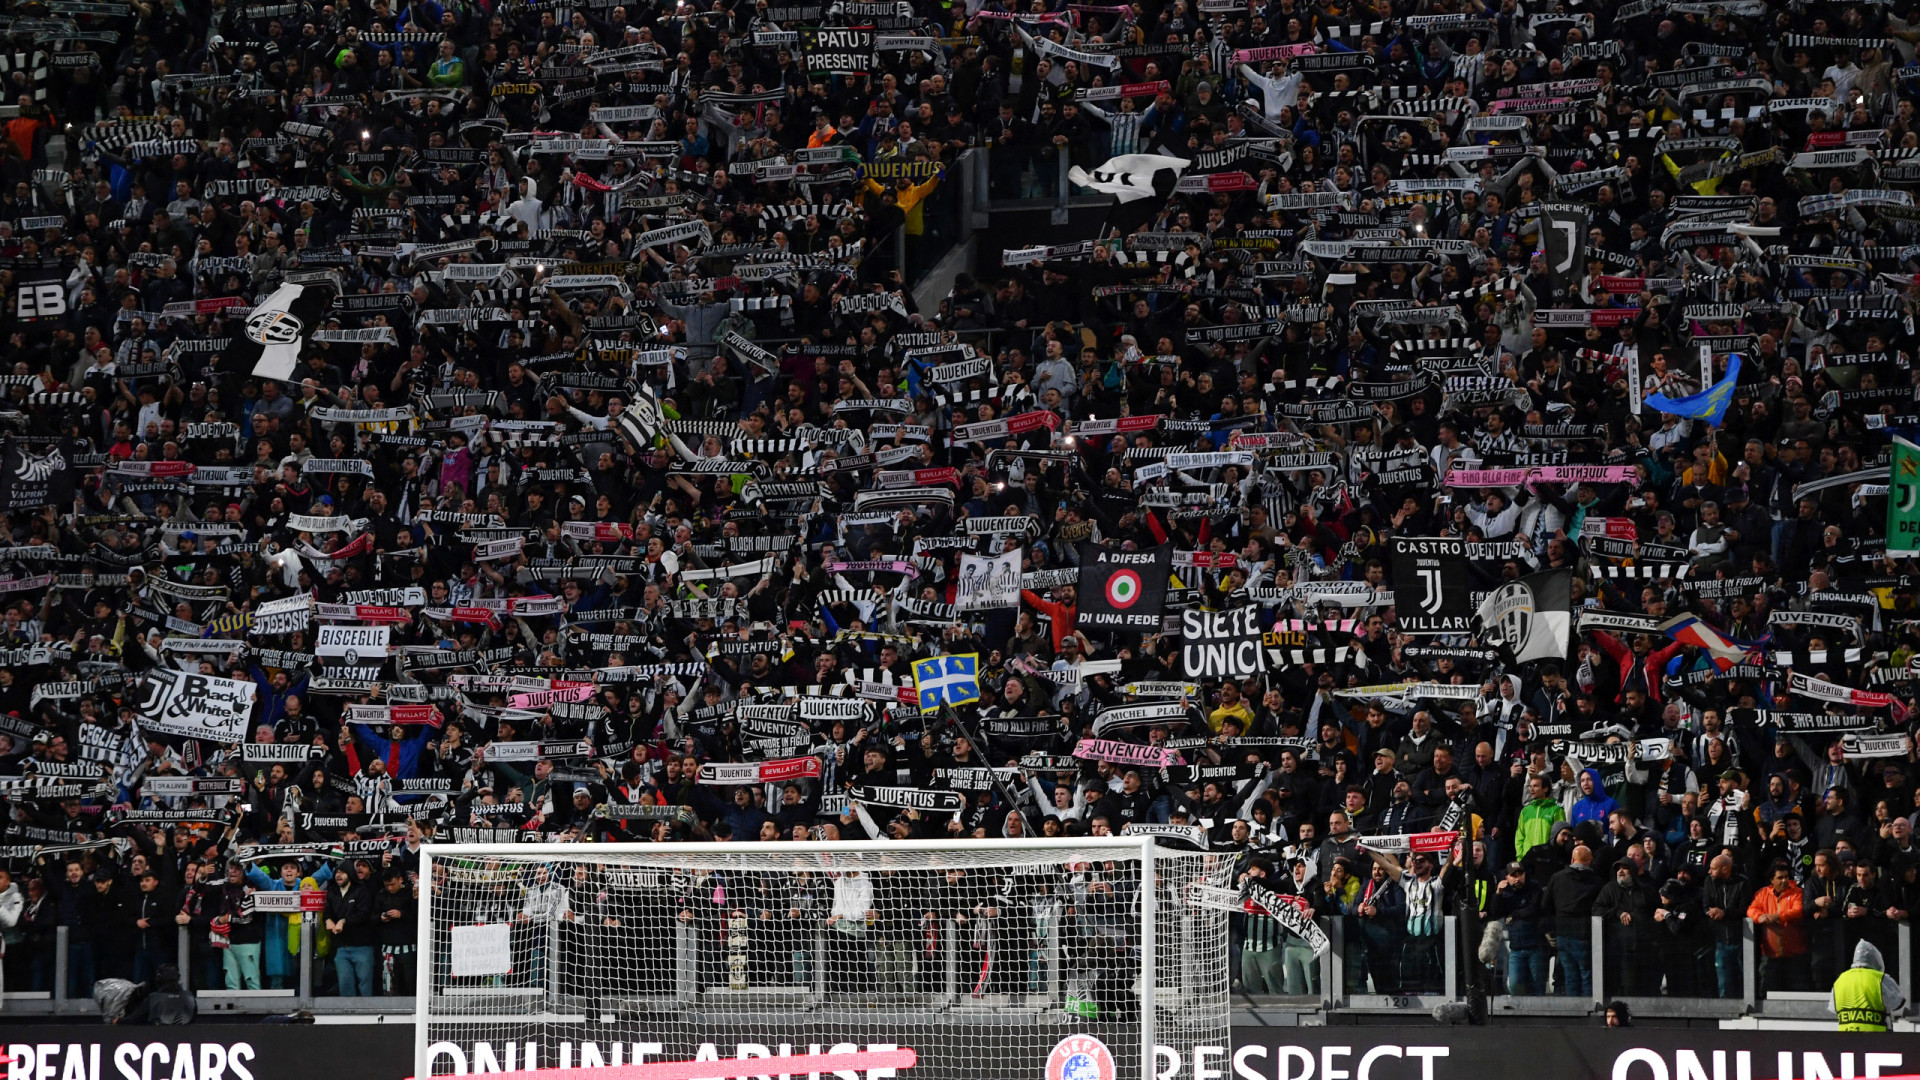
{"x":1857,"y":1001}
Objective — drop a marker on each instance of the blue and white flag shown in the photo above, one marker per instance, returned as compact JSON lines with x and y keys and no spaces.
{"x":948,"y":679}
{"x":1709,"y":404}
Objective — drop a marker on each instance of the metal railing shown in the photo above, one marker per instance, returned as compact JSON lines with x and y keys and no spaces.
{"x":312,"y":990}
{"x":1354,"y":974}
{"x":1350,"y":979}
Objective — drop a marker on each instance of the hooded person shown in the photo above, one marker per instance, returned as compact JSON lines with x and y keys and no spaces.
{"x":1625,"y":906}
{"x":1544,"y":860}
{"x":1594,"y":803}
{"x":169,"y":1003}
{"x":1865,"y":994}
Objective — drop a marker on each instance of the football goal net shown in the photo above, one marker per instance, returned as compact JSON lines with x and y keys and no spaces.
{"x":989,"y":959}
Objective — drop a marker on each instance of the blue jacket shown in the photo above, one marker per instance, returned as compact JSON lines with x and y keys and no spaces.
{"x":401,"y":765}
{"x":265,"y":882}
{"x":1594,"y":807}
{"x":273,"y":704}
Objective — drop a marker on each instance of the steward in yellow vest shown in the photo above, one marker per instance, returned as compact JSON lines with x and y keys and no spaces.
{"x":1865,"y":994}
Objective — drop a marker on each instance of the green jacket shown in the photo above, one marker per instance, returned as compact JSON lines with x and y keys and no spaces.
{"x":1537,"y":820}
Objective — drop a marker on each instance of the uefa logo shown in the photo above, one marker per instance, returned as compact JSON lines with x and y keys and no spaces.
{"x":1080,"y":1057}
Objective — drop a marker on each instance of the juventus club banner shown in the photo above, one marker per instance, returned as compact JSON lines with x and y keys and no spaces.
{"x":32,"y":477}
{"x":1903,"y":498}
{"x":1431,"y":594}
{"x":838,"y":50}
{"x":1221,"y":643}
{"x":1140,"y":182}
{"x":1563,"y":231}
{"x":196,"y":706}
{"x":1123,"y":590}
{"x":40,"y":294}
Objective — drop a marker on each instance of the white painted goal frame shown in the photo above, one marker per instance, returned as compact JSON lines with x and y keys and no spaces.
{"x":1185,"y":1003}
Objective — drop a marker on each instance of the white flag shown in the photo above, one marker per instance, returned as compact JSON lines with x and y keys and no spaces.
{"x":988,"y":582}
{"x":1127,"y":177}
{"x":277,"y":327}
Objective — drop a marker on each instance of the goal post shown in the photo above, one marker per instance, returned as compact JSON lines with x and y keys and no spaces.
{"x":989,"y":959}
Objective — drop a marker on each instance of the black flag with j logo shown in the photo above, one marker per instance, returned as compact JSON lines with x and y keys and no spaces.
{"x":1431,"y":593}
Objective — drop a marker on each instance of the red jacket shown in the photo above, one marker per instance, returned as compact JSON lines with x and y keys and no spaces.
{"x":1652,"y":667}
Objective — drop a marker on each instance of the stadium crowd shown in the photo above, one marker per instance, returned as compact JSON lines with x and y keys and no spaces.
{"x":478,"y":422}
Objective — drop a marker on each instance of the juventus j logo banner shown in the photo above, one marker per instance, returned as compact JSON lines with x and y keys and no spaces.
{"x":1903,"y":497}
{"x":1430,"y":585}
{"x":1563,"y":234}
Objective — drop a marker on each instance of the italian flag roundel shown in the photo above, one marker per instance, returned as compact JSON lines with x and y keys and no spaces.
{"x":1122,"y":590}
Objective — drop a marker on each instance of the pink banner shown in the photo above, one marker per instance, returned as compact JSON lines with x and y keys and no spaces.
{"x":540,"y":699}
{"x":874,"y":566}
{"x":1552,"y":474}
{"x":1274,"y":52}
{"x":1126,"y":753}
{"x":1587,"y":474}
{"x":1488,"y":477}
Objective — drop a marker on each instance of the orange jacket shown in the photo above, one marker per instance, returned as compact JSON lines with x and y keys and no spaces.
{"x":1063,"y":616}
{"x":1787,"y":937}
{"x":24,"y":131}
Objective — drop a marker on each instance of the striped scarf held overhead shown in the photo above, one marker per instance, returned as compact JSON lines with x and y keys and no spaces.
{"x":799,"y":212}
{"x":1181,"y":261}
{"x":781,"y":303}
{"x":35,"y":67}
{"x":115,"y":136}
{"x":1014,"y":396}
{"x":769,"y":447}
{"x":505,"y":297}
{"x":1423,"y":106}
{"x":1349,"y":30}
{"x":460,"y":224}
{"x":719,"y":429}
